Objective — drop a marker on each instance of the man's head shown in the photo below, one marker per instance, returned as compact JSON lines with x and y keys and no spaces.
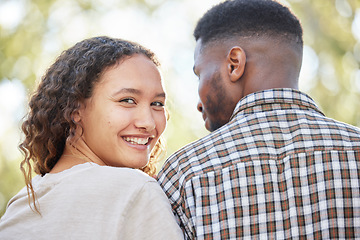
{"x":244,"y":46}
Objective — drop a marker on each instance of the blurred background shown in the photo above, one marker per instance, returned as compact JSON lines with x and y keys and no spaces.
{"x":34,"y":32}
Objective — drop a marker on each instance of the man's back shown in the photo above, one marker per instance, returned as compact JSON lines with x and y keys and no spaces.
{"x":278,"y":169}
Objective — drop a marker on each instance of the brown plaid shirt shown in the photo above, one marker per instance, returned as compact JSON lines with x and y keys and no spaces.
{"x":279,"y":169}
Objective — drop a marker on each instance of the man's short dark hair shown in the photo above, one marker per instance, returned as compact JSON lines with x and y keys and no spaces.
{"x":247,"y":18}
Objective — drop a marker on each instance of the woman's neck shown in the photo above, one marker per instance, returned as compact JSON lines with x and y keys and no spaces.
{"x":75,"y":152}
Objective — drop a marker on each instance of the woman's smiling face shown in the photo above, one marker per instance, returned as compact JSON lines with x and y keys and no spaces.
{"x":125,"y":116}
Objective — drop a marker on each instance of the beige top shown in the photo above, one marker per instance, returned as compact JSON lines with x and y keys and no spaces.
{"x":90,"y":201}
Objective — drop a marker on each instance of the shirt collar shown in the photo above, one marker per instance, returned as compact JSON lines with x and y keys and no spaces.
{"x":273,"y":96}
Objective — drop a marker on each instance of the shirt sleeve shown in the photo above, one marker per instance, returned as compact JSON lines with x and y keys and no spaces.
{"x":150,"y":216}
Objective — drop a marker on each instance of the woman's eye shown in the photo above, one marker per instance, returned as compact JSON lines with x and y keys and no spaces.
{"x":158,"y":104}
{"x":128,"y":100}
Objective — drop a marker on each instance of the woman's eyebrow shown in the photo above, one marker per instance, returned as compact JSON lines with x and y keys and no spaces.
{"x":162,"y":95}
{"x":126,"y":91}
{"x":129,"y":90}
{"x":137,"y":92}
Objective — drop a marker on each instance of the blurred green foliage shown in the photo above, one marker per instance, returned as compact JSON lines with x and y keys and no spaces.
{"x":329,"y":32}
{"x":329,"y":28}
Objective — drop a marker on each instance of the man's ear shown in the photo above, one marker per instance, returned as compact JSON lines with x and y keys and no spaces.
{"x":236,"y":63}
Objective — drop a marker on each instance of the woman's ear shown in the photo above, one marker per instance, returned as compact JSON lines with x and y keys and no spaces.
{"x":236,"y":63}
{"x":76,"y":116}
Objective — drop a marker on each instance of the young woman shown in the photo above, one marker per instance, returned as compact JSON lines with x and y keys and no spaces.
{"x":94,"y":122}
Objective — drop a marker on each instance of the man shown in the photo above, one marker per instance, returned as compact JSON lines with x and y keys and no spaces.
{"x":274,"y":167}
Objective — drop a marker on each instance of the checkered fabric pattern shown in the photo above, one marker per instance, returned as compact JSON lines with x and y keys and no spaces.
{"x":279,"y":169}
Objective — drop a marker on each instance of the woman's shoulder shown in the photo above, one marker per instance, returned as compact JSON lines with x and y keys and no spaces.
{"x":89,"y":174}
{"x":119,"y":173}
{"x":118,"y":180}
{"x":94,"y":170}
{"x":103,"y":181}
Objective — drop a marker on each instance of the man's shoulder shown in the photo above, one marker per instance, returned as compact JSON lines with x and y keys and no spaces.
{"x":196,"y":157}
{"x":341,"y":128}
{"x":197,"y":147}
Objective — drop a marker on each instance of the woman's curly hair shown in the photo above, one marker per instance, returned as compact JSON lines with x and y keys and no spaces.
{"x":65,"y":85}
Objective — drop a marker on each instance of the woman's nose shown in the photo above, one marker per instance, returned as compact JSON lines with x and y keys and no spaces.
{"x":145,"y":119}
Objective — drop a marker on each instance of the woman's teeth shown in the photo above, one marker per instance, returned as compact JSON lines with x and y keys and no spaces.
{"x":134,"y":140}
